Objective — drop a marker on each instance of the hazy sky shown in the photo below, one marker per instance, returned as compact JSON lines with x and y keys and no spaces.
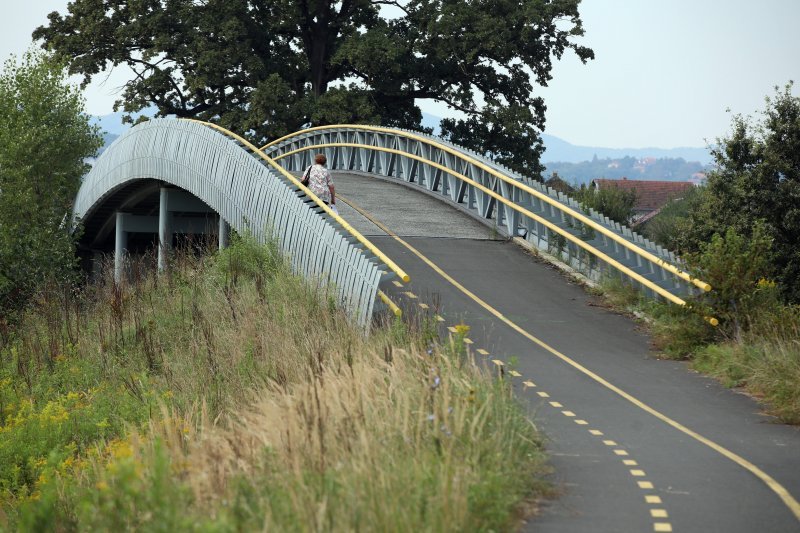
{"x":665,"y":71}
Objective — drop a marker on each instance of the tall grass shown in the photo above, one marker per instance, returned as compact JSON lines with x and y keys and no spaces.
{"x":231,"y":395}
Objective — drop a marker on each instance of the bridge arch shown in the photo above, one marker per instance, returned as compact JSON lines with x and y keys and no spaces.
{"x":209,"y":175}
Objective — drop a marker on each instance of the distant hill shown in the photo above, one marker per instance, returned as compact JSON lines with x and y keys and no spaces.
{"x":646,"y":168}
{"x":559,"y":150}
{"x":562,"y":151}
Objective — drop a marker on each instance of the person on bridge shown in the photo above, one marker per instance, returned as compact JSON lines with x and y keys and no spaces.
{"x":318,"y":179}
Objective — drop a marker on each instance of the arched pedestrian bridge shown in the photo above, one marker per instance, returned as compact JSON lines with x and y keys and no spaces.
{"x":637,"y":443}
{"x":179,"y":176}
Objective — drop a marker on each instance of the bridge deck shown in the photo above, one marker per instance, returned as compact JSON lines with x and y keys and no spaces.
{"x":599,"y":475}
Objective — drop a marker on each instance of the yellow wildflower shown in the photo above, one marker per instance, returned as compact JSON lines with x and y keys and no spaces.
{"x":462,"y":329}
{"x":120,"y":449}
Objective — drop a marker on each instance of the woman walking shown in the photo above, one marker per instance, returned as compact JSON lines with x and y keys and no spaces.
{"x":318,"y":179}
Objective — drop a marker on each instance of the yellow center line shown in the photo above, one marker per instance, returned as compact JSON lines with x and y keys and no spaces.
{"x":772,"y":483}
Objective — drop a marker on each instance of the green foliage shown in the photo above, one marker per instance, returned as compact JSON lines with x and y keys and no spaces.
{"x":739,"y":269}
{"x":44,"y":140}
{"x":669,"y":226}
{"x":270,"y":67}
{"x":757,"y":179}
{"x":768,"y":367}
{"x":247,"y":258}
{"x":617,"y":204}
{"x":188,"y":401}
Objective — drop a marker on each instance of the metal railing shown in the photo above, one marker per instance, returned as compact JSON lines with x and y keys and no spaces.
{"x":515,"y":205}
{"x":244,"y":189}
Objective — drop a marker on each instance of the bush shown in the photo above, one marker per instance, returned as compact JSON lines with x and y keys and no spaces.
{"x":755,"y":184}
{"x":738,"y":269}
{"x":45,"y":139}
{"x":668,"y":227}
{"x":617,"y":204}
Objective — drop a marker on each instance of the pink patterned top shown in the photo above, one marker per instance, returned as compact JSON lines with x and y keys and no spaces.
{"x":319,"y":178}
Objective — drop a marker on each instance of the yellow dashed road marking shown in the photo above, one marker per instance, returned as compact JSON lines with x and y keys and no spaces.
{"x":467,"y":341}
{"x":777,"y":488}
{"x":515,"y":374}
{"x":439,"y":318}
{"x":609,"y":443}
{"x":662,"y":527}
{"x":482,"y":351}
{"x":498,"y":362}
{"x":528,"y":384}
{"x":556,"y":404}
{"x":397,"y":283}
{"x":630,"y":462}
{"x":659,"y":513}
{"x":567,"y":413}
{"x":595,"y":432}
{"x":423,"y":306}
{"x":649,"y":498}
{"x":645,"y":485}
{"x":620,"y":452}
{"x":638,"y":473}
{"x":451,"y":329}
{"x":543,"y":394}
{"x":581,"y":422}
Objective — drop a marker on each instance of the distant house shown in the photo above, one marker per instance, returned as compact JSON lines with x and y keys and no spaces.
{"x":651,"y":196}
{"x":559,"y":184}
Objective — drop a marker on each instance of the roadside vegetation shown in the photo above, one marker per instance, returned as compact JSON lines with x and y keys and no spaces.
{"x":45,"y":138}
{"x":230,"y":395}
{"x":741,"y":234}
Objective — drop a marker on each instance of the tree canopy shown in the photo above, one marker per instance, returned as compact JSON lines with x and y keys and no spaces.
{"x":44,"y":140}
{"x":756,"y":183}
{"x":266,"y":68}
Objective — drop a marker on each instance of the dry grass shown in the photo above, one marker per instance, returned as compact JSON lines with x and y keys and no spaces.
{"x":252,"y":403}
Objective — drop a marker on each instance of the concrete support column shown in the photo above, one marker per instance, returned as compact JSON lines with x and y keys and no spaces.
{"x":164,"y":229}
{"x":120,"y":246}
{"x":224,"y":233}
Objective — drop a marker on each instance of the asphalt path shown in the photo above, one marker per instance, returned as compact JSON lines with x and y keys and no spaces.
{"x":636,"y":443}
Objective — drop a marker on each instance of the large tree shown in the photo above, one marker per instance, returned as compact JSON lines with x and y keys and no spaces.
{"x":45,"y":138}
{"x":756,"y":183}
{"x":269,"y":67}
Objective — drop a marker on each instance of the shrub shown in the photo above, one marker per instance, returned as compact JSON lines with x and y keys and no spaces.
{"x":738,"y":269}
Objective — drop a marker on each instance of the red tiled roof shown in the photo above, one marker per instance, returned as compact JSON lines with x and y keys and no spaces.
{"x":650,"y":195}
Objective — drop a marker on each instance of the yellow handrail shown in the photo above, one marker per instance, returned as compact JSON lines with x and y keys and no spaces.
{"x":589,"y":248}
{"x":392,"y":306}
{"x":350,"y":229}
{"x":576,"y":214}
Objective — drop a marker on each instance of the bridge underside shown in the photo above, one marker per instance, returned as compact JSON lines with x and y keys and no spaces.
{"x":146,"y":215}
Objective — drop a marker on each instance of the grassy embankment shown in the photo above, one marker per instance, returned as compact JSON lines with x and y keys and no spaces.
{"x":758,"y":350}
{"x":230,"y":396}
